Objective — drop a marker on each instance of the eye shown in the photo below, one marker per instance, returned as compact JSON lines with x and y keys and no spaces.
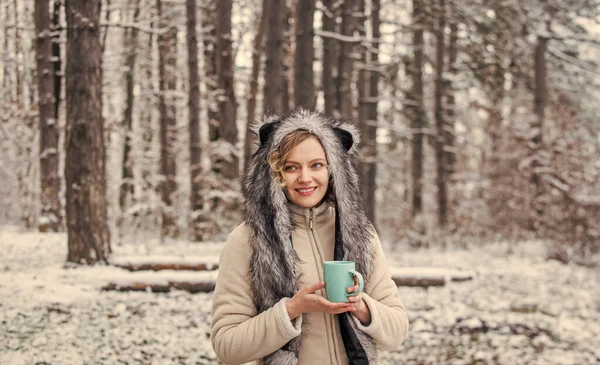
{"x":318,"y":165}
{"x":289,"y":168}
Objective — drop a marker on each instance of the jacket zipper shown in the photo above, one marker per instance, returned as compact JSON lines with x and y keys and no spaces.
{"x":327,"y":323}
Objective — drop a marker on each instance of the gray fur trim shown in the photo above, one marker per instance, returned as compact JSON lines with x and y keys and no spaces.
{"x":274,"y":263}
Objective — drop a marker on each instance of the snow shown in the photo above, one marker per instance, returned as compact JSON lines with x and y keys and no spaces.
{"x":518,"y":308}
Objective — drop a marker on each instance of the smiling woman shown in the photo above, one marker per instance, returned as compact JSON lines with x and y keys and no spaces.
{"x":303,"y":207}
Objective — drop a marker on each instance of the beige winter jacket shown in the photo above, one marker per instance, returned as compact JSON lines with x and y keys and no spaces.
{"x":239,"y":335}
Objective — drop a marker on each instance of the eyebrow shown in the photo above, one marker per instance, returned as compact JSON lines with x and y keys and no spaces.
{"x":311,"y":161}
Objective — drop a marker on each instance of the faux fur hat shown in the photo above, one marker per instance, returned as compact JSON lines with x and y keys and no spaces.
{"x":274,"y":269}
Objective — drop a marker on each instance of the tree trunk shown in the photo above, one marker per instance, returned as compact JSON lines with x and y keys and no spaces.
{"x":209,"y":40}
{"x":304,"y":86}
{"x":50,"y":215}
{"x":229,"y":166}
{"x":539,"y":108}
{"x":257,"y":51}
{"x":439,"y":117}
{"x":167,"y":60}
{"x":85,"y":171}
{"x":18,"y":62}
{"x":5,"y":46}
{"x":194,"y":121}
{"x":148,"y":104}
{"x":130,"y":44}
{"x":327,"y":76}
{"x":450,"y":99}
{"x":417,"y":112}
{"x":345,"y":63}
{"x":287,"y":57}
{"x":369,"y":126}
{"x":57,"y":64}
{"x":107,"y":7}
{"x":273,"y":90}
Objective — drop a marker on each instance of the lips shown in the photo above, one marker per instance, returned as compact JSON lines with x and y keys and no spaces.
{"x":306,"y":191}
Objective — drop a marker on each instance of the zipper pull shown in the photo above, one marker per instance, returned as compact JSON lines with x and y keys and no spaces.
{"x":310,"y":219}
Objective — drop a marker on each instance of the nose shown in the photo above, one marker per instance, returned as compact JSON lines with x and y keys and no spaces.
{"x":304,"y":175}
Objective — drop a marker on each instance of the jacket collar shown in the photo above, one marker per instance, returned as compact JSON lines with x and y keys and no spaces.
{"x":320,"y":214}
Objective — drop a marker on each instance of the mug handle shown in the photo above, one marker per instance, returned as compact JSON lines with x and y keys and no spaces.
{"x":361,"y":283}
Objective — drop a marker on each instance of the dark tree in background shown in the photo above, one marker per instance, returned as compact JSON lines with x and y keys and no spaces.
{"x":86,"y":208}
{"x":258,"y":47}
{"x":130,"y":43}
{"x":274,"y":85}
{"x":350,"y":11}
{"x":369,"y":115}
{"x":196,"y":203}
{"x":440,"y":124}
{"x":51,"y":210}
{"x":415,"y":107}
{"x":328,"y":57}
{"x":229,"y":164}
{"x":304,"y":88}
{"x":167,"y":60}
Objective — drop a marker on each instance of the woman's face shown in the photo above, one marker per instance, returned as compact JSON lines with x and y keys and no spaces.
{"x":305,"y":172}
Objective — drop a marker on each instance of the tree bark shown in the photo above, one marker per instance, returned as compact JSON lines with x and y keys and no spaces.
{"x":126,"y":190}
{"x":273,"y":90}
{"x":57,"y":64}
{"x":450,"y":99}
{"x":257,"y":51}
{"x":417,"y":111}
{"x":148,"y":101}
{"x":229,"y":166}
{"x":18,"y":66}
{"x":304,"y":86}
{"x":287,"y":57}
{"x":196,"y":204}
{"x":87,"y":228}
{"x":439,"y":117}
{"x":209,"y":40}
{"x":50,"y":215}
{"x":167,"y":60}
{"x":539,"y":108}
{"x":345,"y":61}
{"x":327,"y":73}
{"x":369,"y":126}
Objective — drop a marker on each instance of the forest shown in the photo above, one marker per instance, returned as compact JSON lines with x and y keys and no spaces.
{"x":478,"y":118}
{"x":126,"y":127}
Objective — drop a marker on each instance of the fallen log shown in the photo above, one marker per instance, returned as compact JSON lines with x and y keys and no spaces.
{"x":163,"y":281}
{"x":420,"y":282}
{"x":426,"y":277}
{"x":204,"y":282}
{"x":159,"y":263}
{"x":191,"y":287}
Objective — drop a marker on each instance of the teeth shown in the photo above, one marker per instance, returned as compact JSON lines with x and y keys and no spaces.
{"x":306,"y":190}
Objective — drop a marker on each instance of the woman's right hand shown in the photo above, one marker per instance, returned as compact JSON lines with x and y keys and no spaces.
{"x":305,"y":300}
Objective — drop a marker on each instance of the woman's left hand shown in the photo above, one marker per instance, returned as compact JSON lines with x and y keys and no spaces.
{"x":361,"y":311}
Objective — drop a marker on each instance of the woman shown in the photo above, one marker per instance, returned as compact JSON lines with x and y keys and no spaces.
{"x":303,"y":206}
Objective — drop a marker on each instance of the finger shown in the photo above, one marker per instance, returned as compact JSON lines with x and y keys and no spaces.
{"x":354,"y":299}
{"x":334,"y":306}
{"x":314,"y":287}
{"x":352,"y":289}
{"x":343,"y":310}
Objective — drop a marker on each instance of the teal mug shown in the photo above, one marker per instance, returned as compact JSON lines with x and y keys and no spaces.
{"x":339,"y":276}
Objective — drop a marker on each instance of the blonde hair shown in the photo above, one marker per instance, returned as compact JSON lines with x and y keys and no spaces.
{"x":279,"y":157}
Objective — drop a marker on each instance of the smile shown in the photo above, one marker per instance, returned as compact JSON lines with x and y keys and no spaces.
{"x":306,"y":191}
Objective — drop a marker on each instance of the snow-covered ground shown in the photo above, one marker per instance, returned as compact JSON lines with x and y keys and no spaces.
{"x":518,"y":309}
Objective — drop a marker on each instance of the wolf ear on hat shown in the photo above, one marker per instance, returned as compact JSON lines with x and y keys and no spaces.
{"x":345,"y":138}
{"x":266,"y":130}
